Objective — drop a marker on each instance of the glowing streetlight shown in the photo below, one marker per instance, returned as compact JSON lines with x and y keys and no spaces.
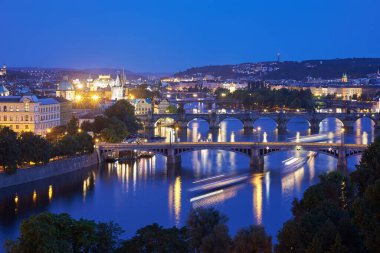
{"x":223,"y":94}
{"x":95,"y":97}
{"x":78,"y":98}
{"x":79,"y":130}
{"x":48,"y":130}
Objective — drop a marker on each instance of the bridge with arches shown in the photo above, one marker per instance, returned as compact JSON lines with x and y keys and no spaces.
{"x":255,"y":151}
{"x":248,"y":118}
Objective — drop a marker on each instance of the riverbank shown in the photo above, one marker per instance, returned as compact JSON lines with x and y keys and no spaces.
{"x":52,"y":169}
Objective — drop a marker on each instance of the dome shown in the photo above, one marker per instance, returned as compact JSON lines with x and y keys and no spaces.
{"x":65,"y":85}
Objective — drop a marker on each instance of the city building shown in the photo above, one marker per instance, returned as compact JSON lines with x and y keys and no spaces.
{"x":29,"y":113}
{"x":117,"y":89}
{"x":142,"y":106}
{"x":160,"y":106}
{"x":65,"y":89}
{"x":102,"y":82}
{"x":3,"y":91}
{"x":66,"y":110}
{"x":3,"y":71}
{"x":344,"y":78}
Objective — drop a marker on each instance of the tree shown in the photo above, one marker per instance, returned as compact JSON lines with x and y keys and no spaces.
{"x":181,"y":110}
{"x":324,"y":213}
{"x":72,"y":126}
{"x":46,"y":232}
{"x":155,"y":238}
{"x":115,"y":132}
{"x":218,"y":241}
{"x":201,"y":223}
{"x":171,"y":109}
{"x":368,"y":170}
{"x":100,"y":122}
{"x":107,"y":237}
{"x":252,"y":240}
{"x":367,"y":218}
{"x":124,"y":112}
{"x":34,"y":148}
{"x":68,"y":146}
{"x":9,"y":150}
{"x":55,"y":134}
{"x":85,"y":141}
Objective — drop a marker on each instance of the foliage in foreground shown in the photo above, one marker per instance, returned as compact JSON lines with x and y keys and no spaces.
{"x":340,"y":214}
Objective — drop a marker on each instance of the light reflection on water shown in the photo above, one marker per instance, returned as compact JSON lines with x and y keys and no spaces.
{"x":143,"y":192}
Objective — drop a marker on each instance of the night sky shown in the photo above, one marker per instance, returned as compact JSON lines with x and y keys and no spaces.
{"x":167,"y":36}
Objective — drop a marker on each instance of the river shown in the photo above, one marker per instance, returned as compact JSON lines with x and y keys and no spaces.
{"x":138,"y":194}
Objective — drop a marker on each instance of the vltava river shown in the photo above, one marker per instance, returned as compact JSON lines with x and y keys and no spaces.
{"x":139,"y":194}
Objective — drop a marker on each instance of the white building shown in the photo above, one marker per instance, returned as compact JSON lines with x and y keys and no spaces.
{"x":29,"y":113}
{"x":160,"y":106}
{"x":3,"y":91}
{"x":143,"y":106}
{"x":117,"y":89}
{"x":65,"y":89}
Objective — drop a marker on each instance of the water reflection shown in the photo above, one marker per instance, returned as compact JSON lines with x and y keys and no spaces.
{"x":257,"y":184}
{"x":139,"y":193}
{"x":175,"y":191}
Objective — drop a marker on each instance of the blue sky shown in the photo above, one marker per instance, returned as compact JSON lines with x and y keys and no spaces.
{"x":172,"y":35}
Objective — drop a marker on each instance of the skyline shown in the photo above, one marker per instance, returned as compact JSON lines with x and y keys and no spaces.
{"x":139,"y":36}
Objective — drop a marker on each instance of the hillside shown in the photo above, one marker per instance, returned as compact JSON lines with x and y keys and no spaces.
{"x":326,"y":69}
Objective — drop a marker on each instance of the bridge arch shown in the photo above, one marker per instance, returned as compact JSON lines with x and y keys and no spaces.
{"x":299,"y":120}
{"x":190,"y":121}
{"x":270,"y":121}
{"x":366,"y":117}
{"x":227,"y":117}
{"x":160,"y":120}
{"x":327,"y":124}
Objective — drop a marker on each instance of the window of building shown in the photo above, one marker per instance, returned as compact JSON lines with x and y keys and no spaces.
{"x":26,"y":117}
{"x":27,"y":127}
{"x":26,"y":107}
{"x":17,"y":126}
{"x":5,"y":108}
{"x":11,"y":108}
{"x":5,"y":118}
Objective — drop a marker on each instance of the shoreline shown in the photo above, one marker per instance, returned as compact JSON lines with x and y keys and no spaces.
{"x":52,"y":169}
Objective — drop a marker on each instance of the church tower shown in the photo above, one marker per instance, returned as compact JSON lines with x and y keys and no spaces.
{"x":344,"y":78}
{"x":118,"y":88}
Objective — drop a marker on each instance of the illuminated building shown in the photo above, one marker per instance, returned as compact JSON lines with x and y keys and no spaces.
{"x":117,"y":89}
{"x":102,"y":82}
{"x":29,"y":113}
{"x":65,"y":89}
{"x":3,"y":91}
{"x":160,"y":106}
{"x":143,"y":106}
{"x":344,"y":78}
{"x":3,"y":71}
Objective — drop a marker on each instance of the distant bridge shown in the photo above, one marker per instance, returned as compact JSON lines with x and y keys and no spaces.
{"x":256,"y":151}
{"x":248,"y":118}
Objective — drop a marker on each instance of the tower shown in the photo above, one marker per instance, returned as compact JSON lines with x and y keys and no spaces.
{"x":118,"y":88}
{"x":344,"y":78}
{"x":278,"y":57}
{"x":65,"y":89}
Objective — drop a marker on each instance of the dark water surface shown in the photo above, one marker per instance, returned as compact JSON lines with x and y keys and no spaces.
{"x":135,"y":195}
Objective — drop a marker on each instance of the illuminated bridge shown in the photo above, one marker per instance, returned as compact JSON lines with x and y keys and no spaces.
{"x":255,"y":151}
{"x":248,"y":118}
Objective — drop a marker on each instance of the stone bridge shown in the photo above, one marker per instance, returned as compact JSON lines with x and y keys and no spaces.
{"x":248,"y":118}
{"x":256,"y":151}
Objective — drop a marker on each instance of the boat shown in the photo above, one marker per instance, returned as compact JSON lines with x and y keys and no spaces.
{"x":218,"y":182}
